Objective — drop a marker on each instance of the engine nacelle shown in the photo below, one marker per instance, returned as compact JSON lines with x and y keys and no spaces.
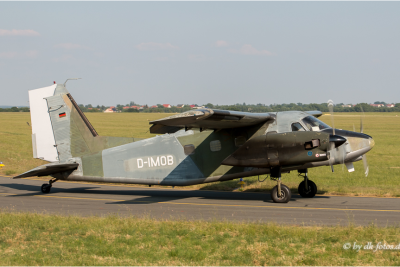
{"x":281,"y":149}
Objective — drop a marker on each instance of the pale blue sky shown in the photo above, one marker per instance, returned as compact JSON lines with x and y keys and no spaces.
{"x":200,"y":52}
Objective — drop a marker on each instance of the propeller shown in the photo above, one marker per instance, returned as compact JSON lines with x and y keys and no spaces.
{"x":332,"y":143}
{"x":336,"y":153}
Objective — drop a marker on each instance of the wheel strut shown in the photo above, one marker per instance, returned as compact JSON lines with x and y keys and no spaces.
{"x":52,"y":181}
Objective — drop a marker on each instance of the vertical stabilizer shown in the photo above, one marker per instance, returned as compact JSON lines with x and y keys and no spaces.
{"x":43,"y":142}
{"x":60,"y":130}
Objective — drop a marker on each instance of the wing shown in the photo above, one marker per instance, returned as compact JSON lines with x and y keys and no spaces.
{"x":315,"y":113}
{"x":48,"y":169}
{"x":208,"y":119}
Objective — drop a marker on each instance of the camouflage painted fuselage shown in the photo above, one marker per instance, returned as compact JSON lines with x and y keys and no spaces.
{"x":226,"y":145}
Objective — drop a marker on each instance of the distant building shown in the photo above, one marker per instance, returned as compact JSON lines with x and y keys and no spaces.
{"x":347,"y":106}
{"x":154,"y":106}
{"x":193,"y":106}
{"x":197,"y":107}
{"x":390,"y":105}
{"x":180,"y":106}
{"x":166,"y":105}
{"x":110,"y":110}
{"x":377,"y":105}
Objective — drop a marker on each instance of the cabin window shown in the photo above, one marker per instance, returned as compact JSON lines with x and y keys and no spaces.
{"x":297,"y":127}
{"x":189,"y":149}
{"x":215,"y":145}
{"x":239,"y":141}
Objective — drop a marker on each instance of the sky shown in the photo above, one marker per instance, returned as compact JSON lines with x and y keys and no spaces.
{"x":202,"y":52}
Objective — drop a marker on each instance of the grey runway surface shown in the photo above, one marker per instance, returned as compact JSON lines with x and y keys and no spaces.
{"x":86,"y":199}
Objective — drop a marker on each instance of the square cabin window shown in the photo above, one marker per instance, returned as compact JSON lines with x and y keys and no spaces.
{"x":239,"y":141}
{"x":215,"y":145}
{"x":189,"y":149}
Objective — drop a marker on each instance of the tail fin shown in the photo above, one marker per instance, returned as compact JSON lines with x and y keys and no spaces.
{"x":60,"y":130}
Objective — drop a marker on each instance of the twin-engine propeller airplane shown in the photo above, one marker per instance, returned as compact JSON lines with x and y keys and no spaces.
{"x":197,"y":146}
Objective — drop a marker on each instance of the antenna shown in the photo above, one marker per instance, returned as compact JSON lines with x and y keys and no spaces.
{"x":71,"y":79}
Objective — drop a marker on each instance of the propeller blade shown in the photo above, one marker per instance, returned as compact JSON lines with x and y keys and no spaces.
{"x":331,"y":158}
{"x":330,"y":106}
{"x":366,"y":168}
{"x":361,"y":121}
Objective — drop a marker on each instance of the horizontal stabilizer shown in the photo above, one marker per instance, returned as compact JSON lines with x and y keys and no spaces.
{"x":49,"y":169}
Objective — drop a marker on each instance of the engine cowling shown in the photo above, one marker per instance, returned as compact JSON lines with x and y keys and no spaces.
{"x":281,"y":149}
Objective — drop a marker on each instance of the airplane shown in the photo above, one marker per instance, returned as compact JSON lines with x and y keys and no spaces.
{"x":194,"y":147}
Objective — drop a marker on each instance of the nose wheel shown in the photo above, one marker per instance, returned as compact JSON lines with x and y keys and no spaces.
{"x":307,"y":188}
{"x":47,"y":187}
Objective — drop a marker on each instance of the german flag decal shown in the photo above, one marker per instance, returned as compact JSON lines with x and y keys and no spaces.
{"x":61,"y":115}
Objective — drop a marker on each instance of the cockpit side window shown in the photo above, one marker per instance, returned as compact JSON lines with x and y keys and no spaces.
{"x":297,"y":127}
{"x":311,"y":122}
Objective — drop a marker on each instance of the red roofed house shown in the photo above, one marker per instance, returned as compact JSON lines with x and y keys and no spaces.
{"x":390,"y":105}
{"x":192,"y":106}
{"x":166,"y":105}
{"x":154,"y":106}
{"x":377,"y":105}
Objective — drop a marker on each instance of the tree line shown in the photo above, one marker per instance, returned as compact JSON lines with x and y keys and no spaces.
{"x":255,"y":108}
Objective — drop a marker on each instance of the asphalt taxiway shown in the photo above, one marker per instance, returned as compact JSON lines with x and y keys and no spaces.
{"x":84,"y":199}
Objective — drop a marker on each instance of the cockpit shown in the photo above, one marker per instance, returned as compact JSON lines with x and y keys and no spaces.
{"x":309,"y":123}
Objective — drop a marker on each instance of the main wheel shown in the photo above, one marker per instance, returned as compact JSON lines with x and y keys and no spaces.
{"x":285,"y":194}
{"x":307,"y":192}
{"x":45,"y":188}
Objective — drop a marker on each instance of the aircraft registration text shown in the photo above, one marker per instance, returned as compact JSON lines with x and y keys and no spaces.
{"x":155,"y":161}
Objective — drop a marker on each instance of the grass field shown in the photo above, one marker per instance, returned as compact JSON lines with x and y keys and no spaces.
{"x":38,"y":239}
{"x":383,"y":159}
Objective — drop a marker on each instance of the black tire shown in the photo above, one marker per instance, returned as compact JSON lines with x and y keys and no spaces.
{"x":312,"y":189}
{"x":45,"y":188}
{"x":286,"y":194}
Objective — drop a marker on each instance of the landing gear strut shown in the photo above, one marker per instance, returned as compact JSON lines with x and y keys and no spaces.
{"x":280,"y":193}
{"x":46,"y":187}
{"x":307,"y":188}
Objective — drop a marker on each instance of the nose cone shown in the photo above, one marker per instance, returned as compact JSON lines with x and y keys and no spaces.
{"x":371,"y":143}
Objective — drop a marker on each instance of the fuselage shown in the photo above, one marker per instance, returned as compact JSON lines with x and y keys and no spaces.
{"x":194,"y":156}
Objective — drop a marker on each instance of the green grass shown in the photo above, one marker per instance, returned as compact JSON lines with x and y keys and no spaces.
{"x":383,"y":159}
{"x":38,"y":239}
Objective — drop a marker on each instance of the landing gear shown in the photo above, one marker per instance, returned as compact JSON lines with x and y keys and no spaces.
{"x":280,"y":193}
{"x":284,"y":195}
{"x":307,"y":188}
{"x":47,"y":187}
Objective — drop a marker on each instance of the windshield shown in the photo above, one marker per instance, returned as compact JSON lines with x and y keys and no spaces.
{"x":311,"y":121}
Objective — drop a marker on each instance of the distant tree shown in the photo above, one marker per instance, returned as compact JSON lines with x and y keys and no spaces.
{"x":209,"y":105}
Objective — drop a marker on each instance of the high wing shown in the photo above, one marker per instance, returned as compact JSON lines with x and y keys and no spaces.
{"x":315,"y":113}
{"x":49,"y":169}
{"x":208,"y":119}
